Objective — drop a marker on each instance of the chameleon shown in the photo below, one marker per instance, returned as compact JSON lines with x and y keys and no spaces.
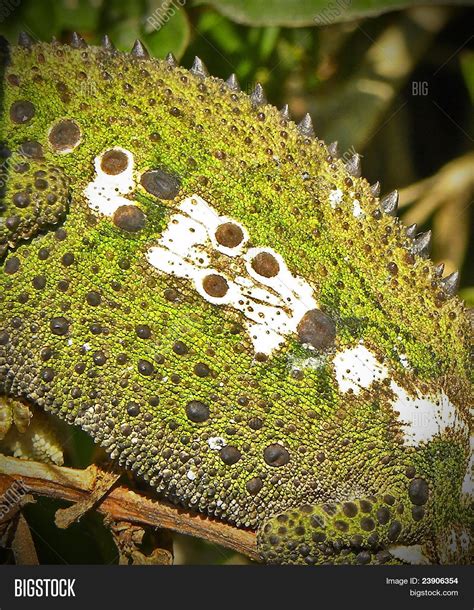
{"x":230,"y":309}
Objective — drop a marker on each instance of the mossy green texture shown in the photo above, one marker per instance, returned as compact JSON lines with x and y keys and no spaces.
{"x":92,"y":332}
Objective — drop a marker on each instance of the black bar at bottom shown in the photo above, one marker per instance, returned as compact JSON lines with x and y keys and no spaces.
{"x":333,"y":587}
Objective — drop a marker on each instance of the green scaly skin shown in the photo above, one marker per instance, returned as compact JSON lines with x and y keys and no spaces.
{"x":89,"y":330}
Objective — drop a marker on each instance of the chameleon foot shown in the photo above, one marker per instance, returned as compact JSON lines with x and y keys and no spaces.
{"x":13,"y":413}
{"x":365,"y":531}
{"x":25,"y":436}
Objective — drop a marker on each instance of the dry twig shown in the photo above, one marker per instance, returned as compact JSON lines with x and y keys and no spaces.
{"x":121,"y":503}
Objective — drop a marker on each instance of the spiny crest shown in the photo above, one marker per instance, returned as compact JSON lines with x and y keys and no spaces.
{"x":233,"y":83}
{"x":257,"y":97}
{"x":439,"y":270}
{"x":285,"y":112}
{"x":77,"y":42}
{"x":25,"y":40}
{"x":198,"y":68}
{"x":333,"y":149}
{"x":421,"y":242}
{"x":389,"y":203}
{"x":451,"y":283}
{"x":139,"y":50}
{"x":412,"y":230}
{"x":107,"y":44}
{"x":171,"y":60}
{"x":306,"y":126}
{"x":375,"y":189}
{"x":353,"y":166}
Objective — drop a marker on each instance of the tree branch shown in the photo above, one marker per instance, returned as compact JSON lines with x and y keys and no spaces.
{"x":121,"y":503}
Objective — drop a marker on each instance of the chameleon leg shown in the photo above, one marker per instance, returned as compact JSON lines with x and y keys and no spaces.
{"x":13,"y":413}
{"x":361,"y":531}
{"x":26,"y":436}
{"x":35,"y":199}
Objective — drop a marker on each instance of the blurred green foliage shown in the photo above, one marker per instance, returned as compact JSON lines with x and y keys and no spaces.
{"x":299,"y":13}
{"x":405,"y":138}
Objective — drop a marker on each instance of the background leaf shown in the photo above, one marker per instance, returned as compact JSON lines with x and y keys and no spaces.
{"x":166,"y":29}
{"x":312,"y":12}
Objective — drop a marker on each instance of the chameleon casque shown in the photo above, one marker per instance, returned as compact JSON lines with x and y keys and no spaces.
{"x":230,"y":309}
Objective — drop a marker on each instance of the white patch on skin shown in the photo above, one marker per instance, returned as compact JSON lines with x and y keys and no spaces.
{"x":335,"y":198}
{"x":170,"y":263}
{"x":264,"y":339}
{"x":404,"y":361}
{"x":216,"y":443}
{"x":356,"y":209}
{"x":191,"y":475}
{"x":465,"y":540}
{"x":299,"y":364}
{"x":183,"y":237}
{"x":453,"y":545}
{"x":357,"y":368}
{"x":294,"y":291}
{"x":459,"y":542}
{"x":468,"y":481}
{"x":411,"y":554}
{"x":424,"y":417}
{"x":104,"y":193}
{"x":203,"y":213}
{"x":272,"y":307}
{"x":256,"y":293}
